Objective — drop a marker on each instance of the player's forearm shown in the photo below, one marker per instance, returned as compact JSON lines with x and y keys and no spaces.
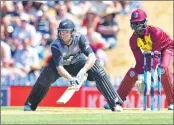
{"x":63,"y":73}
{"x":90,"y":62}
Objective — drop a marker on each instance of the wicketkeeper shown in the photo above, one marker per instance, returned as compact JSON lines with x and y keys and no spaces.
{"x":148,"y":38}
{"x":72,"y":58}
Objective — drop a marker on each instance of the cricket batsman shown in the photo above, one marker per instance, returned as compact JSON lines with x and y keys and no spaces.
{"x":148,"y":38}
{"x":72,"y":58}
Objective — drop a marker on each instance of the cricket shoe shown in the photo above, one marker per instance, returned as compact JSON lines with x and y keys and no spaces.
{"x":27,"y":108}
{"x":170,"y":107}
{"x":106,"y":106}
{"x":118,"y":108}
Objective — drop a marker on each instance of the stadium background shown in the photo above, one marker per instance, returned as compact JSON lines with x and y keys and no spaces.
{"x":14,"y":91}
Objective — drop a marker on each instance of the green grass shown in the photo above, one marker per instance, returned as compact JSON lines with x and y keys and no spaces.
{"x":57,"y":115}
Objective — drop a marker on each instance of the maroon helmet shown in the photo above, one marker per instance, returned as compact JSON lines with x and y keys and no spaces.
{"x":138,"y":21}
{"x":138,"y":15}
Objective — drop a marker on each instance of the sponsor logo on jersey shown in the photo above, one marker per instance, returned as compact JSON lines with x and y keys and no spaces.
{"x":132,"y":74}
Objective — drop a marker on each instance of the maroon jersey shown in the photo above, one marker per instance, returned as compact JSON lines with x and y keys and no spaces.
{"x":154,"y":40}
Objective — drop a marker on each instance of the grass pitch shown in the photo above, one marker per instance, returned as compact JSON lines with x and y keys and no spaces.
{"x":58,"y":115}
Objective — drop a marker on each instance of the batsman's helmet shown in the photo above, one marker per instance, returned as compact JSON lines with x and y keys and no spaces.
{"x":66,"y":24}
{"x":138,"y":21}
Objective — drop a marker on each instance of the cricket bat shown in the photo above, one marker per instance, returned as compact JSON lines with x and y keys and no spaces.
{"x":69,"y":92}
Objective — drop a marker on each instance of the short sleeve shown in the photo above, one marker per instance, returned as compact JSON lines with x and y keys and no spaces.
{"x":56,"y":55}
{"x":84,"y":46}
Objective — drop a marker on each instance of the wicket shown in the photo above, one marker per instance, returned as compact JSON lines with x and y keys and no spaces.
{"x":152,"y":80}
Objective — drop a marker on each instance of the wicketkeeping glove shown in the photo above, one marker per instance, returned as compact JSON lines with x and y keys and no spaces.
{"x":140,"y":83}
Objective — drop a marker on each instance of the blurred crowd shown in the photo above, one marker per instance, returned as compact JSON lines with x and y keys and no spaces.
{"x":29,"y":27}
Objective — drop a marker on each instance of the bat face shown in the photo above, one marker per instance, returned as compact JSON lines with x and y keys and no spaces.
{"x":66,"y":95}
{"x":69,"y":92}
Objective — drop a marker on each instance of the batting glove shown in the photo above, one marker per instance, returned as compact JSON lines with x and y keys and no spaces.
{"x":82,"y":76}
{"x":73,"y":81}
